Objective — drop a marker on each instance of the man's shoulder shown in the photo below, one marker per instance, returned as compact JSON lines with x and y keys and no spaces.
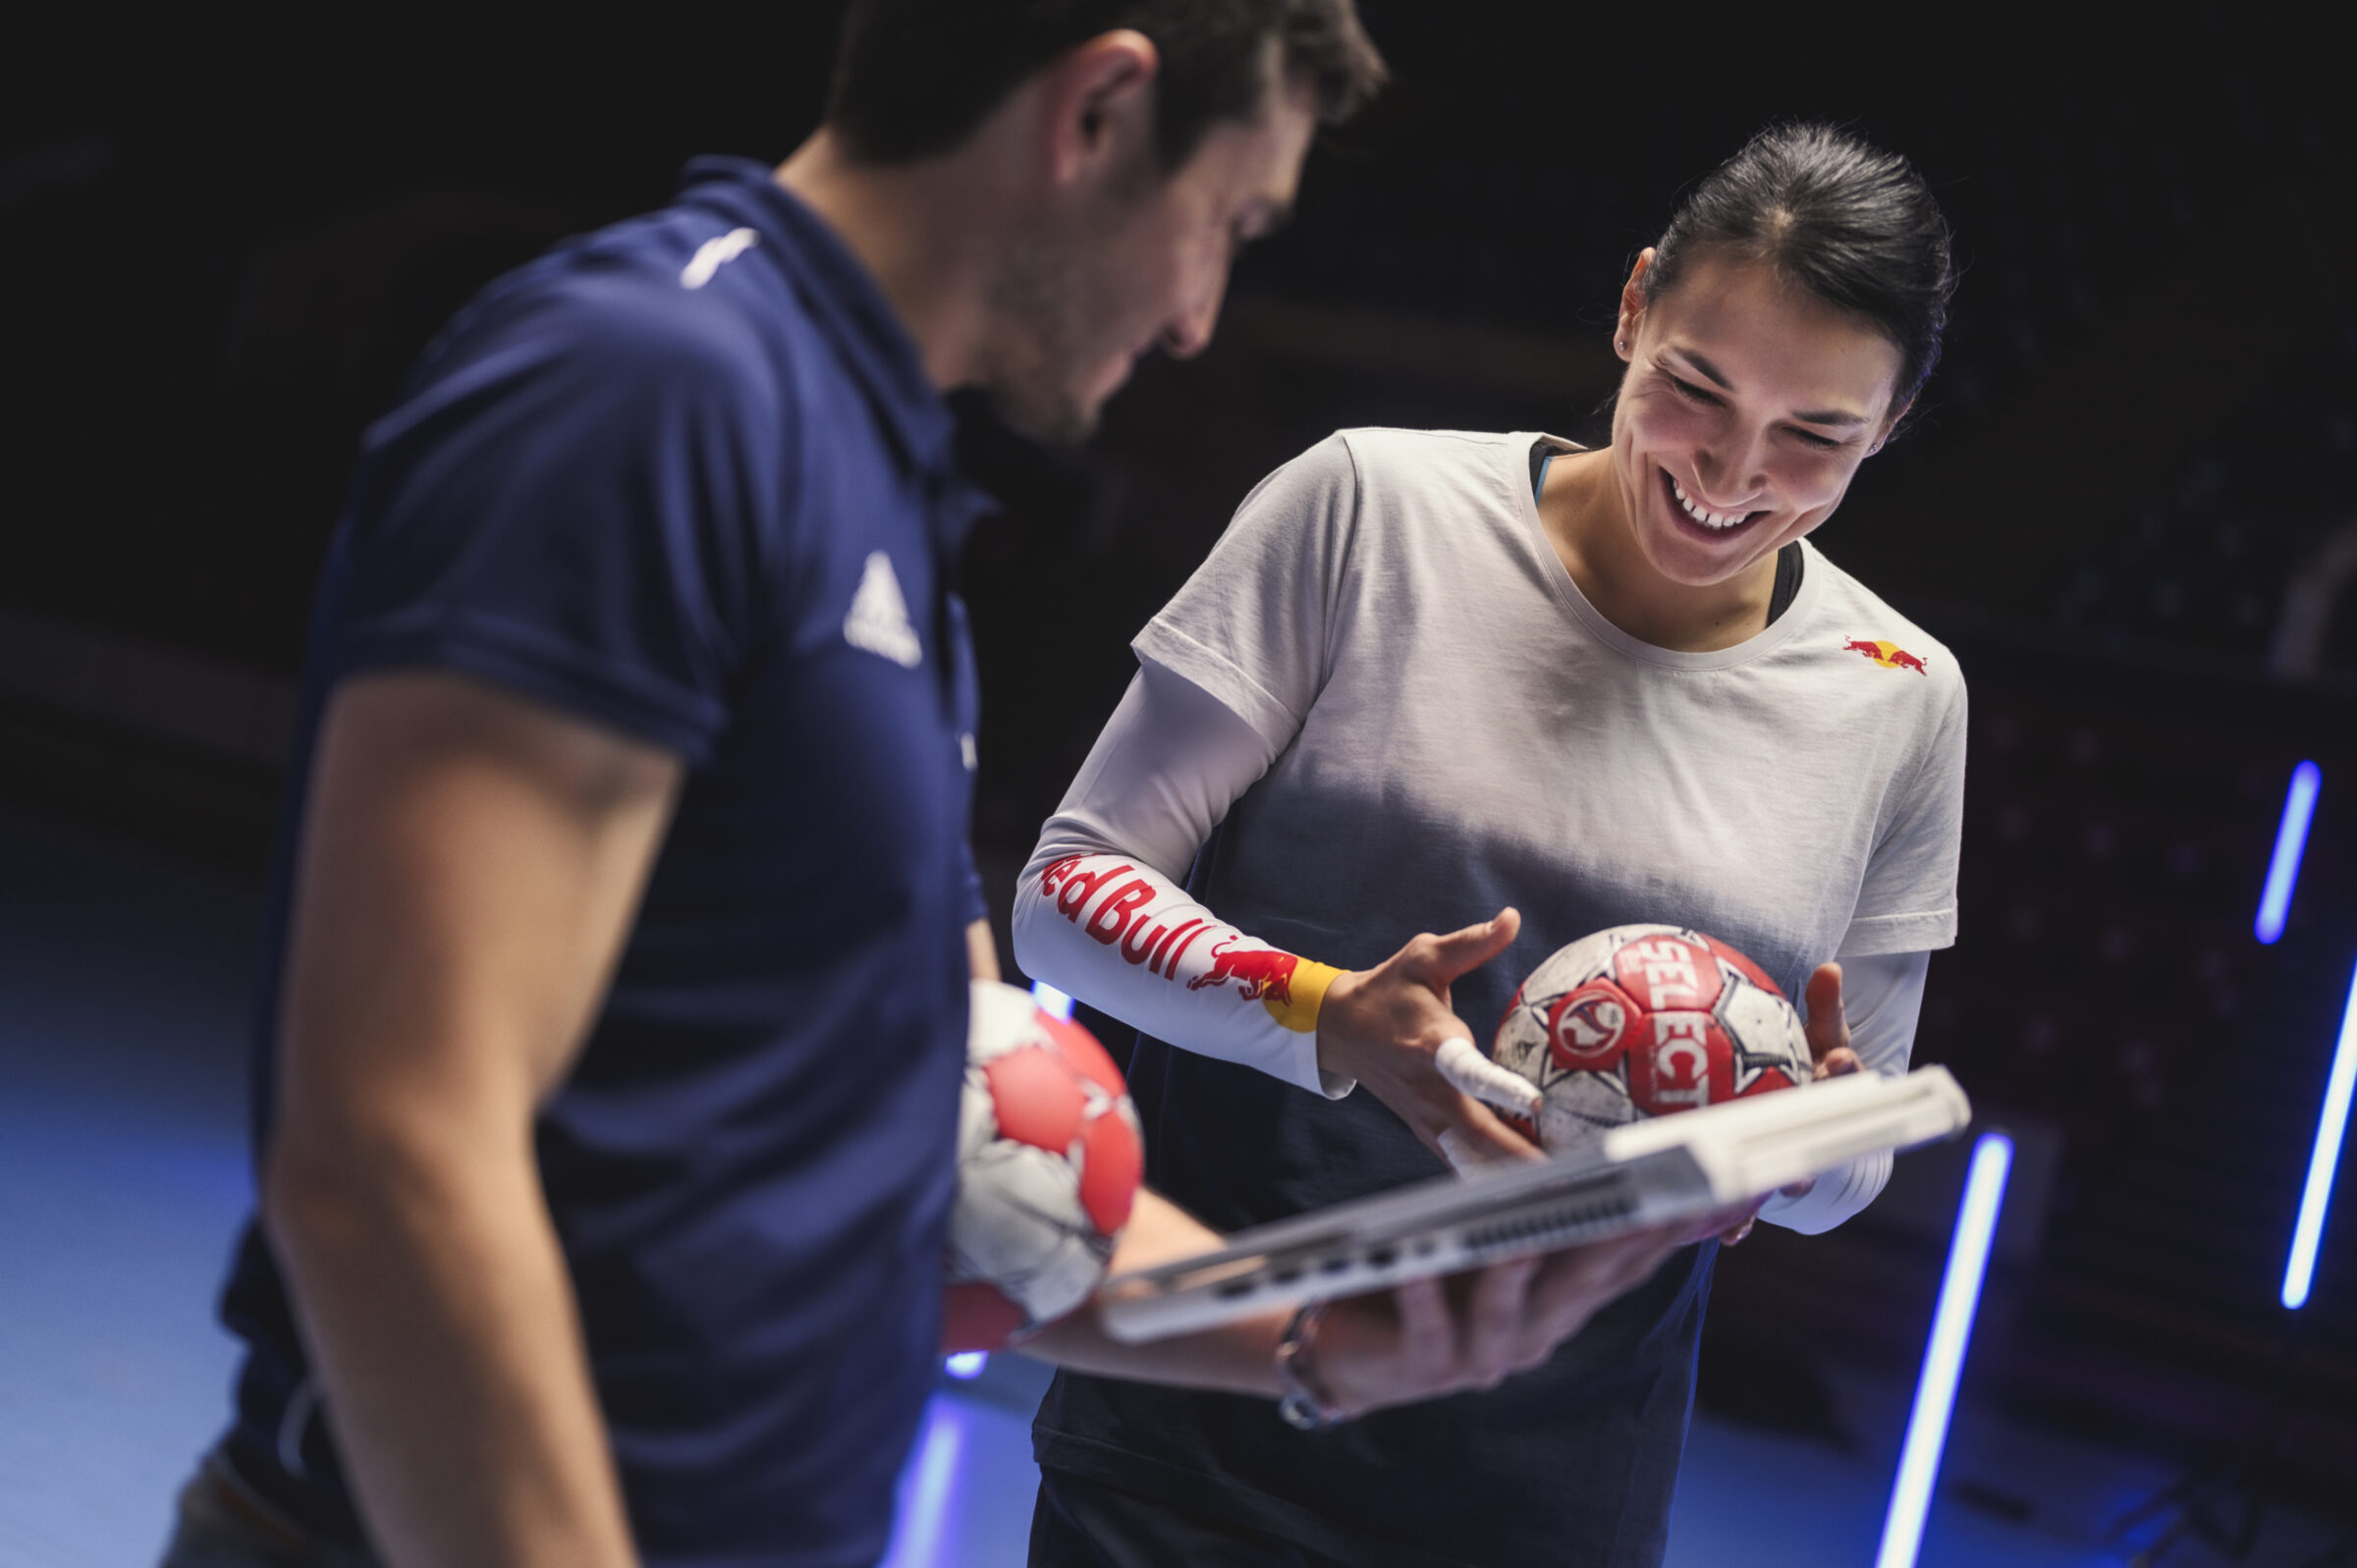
{"x":654,"y":303}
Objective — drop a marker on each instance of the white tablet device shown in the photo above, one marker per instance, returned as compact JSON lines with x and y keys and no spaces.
{"x":1644,"y":1173}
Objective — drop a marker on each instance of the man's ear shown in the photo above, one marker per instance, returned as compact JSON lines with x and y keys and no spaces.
{"x":1632,"y":305}
{"x":1095,"y":98}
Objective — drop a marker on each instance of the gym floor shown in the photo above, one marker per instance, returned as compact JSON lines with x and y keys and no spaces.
{"x":124,"y":977}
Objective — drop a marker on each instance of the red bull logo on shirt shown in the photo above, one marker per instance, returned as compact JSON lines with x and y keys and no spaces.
{"x":1890,"y":655}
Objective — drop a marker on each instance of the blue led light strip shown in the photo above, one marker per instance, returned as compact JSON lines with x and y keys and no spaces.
{"x":2291,"y":838}
{"x":2299,"y":1269}
{"x":1944,"y":1356}
{"x":920,"y":1537}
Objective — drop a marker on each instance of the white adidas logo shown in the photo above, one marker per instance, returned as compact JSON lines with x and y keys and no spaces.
{"x":878,"y":620}
{"x":713,"y":254}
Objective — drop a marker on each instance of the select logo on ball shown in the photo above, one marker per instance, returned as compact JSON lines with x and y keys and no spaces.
{"x":1589,"y":1027}
{"x":1673,"y":1072}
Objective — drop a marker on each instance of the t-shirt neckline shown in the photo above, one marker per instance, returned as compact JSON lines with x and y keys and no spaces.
{"x":1567,"y":592}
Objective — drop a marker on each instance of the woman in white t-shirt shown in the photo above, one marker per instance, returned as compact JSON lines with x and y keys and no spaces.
{"x":1429,"y":677}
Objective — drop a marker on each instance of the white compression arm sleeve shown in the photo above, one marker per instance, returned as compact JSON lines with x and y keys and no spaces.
{"x":1882,"y":996}
{"x":1099,"y":913}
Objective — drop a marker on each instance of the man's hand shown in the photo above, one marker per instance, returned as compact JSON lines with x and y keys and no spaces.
{"x":1430,"y":1338}
{"x":1390,"y":1028}
{"x":1828,"y":1025}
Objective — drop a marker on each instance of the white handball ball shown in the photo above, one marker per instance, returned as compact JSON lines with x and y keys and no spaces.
{"x":1049,"y":1157}
{"x":1644,"y":1021}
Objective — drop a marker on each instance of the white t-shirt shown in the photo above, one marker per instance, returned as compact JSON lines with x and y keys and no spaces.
{"x":1456,"y":728}
{"x":1450,"y":709}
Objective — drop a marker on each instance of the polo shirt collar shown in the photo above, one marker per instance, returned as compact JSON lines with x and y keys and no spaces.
{"x":849,"y":305}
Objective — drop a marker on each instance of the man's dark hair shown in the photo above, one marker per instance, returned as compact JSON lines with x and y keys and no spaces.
{"x":915,"y":77}
{"x":1849,"y":223}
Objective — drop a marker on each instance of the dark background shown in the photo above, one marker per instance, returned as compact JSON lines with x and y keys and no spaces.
{"x":2126,"y":507}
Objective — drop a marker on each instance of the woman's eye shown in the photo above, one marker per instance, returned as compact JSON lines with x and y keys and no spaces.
{"x":1811,"y":438}
{"x":1691,"y":393}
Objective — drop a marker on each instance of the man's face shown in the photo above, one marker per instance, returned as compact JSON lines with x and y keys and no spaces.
{"x":1141,"y":262}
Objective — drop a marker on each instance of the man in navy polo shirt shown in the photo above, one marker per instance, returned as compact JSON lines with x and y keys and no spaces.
{"x":615,"y":1015}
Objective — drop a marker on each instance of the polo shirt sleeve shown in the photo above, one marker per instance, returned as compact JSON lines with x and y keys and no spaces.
{"x":568,"y":507}
{"x":1250,"y":627}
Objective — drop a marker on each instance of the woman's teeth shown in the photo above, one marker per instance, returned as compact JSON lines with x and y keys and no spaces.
{"x":1708,"y":519}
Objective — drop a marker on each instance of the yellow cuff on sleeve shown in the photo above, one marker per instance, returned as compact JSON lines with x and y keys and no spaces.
{"x":1295,"y":1001}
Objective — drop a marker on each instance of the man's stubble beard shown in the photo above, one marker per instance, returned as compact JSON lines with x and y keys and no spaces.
{"x":1058,"y":313}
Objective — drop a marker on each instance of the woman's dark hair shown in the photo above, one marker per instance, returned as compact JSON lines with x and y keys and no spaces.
{"x":915,"y":77}
{"x":1854,"y":225}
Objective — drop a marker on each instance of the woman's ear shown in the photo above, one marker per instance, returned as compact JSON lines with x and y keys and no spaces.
{"x":1632,"y":305}
{"x":1891,"y":424}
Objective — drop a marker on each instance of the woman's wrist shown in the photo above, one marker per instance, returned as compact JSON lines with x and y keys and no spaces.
{"x":1335,"y":1008}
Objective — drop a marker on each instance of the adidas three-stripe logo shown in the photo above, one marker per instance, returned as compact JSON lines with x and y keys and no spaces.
{"x":878,"y":620}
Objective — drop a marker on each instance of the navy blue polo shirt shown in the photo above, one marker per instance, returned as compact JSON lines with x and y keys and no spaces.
{"x":686,"y":479}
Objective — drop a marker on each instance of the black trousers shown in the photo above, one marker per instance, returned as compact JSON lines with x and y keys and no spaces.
{"x":1083,"y":1524}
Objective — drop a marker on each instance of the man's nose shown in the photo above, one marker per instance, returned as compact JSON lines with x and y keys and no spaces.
{"x":1189,"y":331}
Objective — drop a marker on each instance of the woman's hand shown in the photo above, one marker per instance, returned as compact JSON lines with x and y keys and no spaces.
{"x":1390,"y":1028}
{"x":1828,"y":1026}
{"x":1442,"y":1336}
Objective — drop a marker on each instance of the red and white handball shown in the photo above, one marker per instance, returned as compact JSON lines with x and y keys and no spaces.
{"x":1049,"y":1157}
{"x":1642,"y":1021}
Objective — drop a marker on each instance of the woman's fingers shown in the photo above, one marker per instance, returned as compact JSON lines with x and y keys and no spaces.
{"x":1478,"y":1075}
{"x":1827,"y":1022}
{"x":1479,"y":1139}
{"x":1464,"y":950}
{"x":1836,"y":1063}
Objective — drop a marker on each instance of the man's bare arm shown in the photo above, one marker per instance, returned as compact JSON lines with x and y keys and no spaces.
{"x":469,"y":865}
{"x":981,"y":952}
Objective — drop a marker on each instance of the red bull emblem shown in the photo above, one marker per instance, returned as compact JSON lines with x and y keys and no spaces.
{"x":1890,"y":655}
{"x":1262,"y":974}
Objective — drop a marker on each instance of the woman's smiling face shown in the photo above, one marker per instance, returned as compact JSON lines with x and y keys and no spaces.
{"x":1746,"y":408}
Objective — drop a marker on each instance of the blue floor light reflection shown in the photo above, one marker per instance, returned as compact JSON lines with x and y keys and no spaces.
{"x":919,"y":1539}
{"x":2291,"y":840}
{"x":2332,"y":1123}
{"x":1944,"y":1356}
